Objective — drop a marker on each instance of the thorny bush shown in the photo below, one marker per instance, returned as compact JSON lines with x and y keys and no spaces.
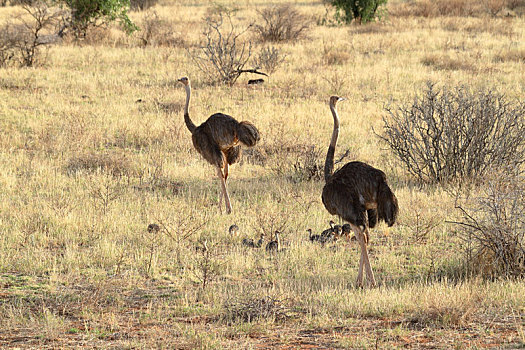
{"x":281,"y":23}
{"x":223,"y":55}
{"x":492,"y":226}
{"x":21,"y":42}
{"x":455,"y":134}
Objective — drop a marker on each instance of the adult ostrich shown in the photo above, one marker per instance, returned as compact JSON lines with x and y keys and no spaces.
{"x":359,"y":194}
{"x":218,"y":140}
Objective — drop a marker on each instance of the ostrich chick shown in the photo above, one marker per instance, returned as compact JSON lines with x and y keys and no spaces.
{"x":275,"y":245}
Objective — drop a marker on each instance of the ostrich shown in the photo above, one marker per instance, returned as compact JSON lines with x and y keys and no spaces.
{"x":250,"y":243}
{"x":328,"y":231}
{"x":359,"y":194}
{"x":218,"y":140}
{"x":153,"y":228}
{"x":233,"y":230}
{"x":260,"y":242}
{"x":333,"y":235}
{"x":274,"y":245}
{"x":346,"y":230}
{"x":313,"y":238}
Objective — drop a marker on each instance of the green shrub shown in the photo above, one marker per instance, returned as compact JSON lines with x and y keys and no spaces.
{"x":360,"y":10}
{"x":87,"y":13}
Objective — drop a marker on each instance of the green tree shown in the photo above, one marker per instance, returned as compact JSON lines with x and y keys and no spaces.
{"x":86,"y":13}
{"x":360,"y":10}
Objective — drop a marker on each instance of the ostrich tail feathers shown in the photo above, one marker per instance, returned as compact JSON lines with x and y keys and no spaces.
{"x":387,"y":207}
{"x":247,"y":133}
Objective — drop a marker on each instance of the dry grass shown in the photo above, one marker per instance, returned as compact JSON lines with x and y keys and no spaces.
{"x":79,"y":269}
{"x":516,"y":55}
{"x":428,"y":8}
{"x":445,"y":62}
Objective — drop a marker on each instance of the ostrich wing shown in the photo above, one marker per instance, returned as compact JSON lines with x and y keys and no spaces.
{"x":207,"y":147}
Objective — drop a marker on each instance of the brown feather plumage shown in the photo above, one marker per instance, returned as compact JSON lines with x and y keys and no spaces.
{"x":225,"y":134}
{"x":359,"y":194}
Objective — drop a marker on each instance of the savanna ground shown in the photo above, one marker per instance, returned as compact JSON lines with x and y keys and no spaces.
{"x":94,"y":148}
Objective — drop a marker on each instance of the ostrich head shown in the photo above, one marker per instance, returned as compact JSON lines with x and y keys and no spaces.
{"x":335,"y":99}
{"x":184,"y":80}
{"x":332,"y":224}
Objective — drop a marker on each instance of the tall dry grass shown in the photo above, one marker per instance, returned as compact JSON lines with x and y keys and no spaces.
{"x":94,"y":149}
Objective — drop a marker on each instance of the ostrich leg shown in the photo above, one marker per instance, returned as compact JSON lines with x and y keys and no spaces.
{"x":359,"y":282}
{"x":224,"y":191}
{"x":226,"y":168}
{"x":369,"y":273}
{"x":359,"y":237}
{"x":364,"y":261}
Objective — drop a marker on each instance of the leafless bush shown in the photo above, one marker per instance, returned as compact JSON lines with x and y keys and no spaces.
{"x":180,"y":228}
{"x":281,"y":23}
{"x":269,"y":59}
{"x":269,"y":222}
{"x":142,"y":5}
{"x":421,"y":225}
{"x":255,"y":155}
{"x":21,"y":42}
{"x":207,"y":264}
{"x":104,"y":192}
{"x":337,"y":83}
{"x":252,"y":309}
{"x":492,"y":226}
{"x":223,"y":55}
{"x":156,"y":31}
{"x":456,"y":134}
{"x":308,"y":166}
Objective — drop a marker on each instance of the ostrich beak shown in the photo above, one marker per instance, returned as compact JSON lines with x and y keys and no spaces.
{"x":342,"y":99}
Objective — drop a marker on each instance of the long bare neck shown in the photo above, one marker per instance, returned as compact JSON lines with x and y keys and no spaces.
{"x":329,"y":162}
{"x":187,"y":120}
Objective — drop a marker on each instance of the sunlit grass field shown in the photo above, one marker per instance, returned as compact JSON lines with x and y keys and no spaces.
{"x":93,"y":148}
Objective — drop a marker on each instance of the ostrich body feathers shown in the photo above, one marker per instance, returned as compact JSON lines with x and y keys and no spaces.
{"x":359,"y":194}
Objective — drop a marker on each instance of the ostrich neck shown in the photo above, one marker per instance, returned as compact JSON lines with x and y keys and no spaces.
{"x":329,"y":162}
{"x":187,"y":120}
